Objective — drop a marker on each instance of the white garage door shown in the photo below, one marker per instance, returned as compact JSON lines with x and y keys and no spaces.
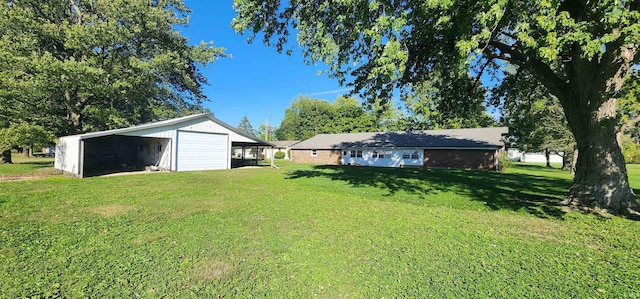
{"x":201,"y":151}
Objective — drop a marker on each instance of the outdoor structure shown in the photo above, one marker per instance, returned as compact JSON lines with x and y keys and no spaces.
{"x":280,"y":146}
{"x":459,"y":148}
{"x":195,"y":142}
{"x":518,"y":156}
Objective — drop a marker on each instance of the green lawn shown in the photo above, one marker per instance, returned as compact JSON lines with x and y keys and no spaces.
{"x":312,"y":231}
{"x":27,"y":166}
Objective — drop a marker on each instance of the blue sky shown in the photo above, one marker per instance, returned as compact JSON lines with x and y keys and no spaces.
{"x":257,"y":81}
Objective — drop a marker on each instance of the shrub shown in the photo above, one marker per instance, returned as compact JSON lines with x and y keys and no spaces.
{"x":631,"y":150}
{"x":279,"y":155}
{"x":504,"y":161}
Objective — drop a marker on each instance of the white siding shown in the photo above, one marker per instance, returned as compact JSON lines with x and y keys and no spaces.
{"x":518,"y":156}
{"x":201,"y":151}
{"x":68,"y":155}
{"x":540,"y":158}
{"x":395,"y":159}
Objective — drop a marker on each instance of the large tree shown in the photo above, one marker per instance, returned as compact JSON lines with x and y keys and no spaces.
{"x":308,"y":117}
{"x":305,"y":118}
{"x":80,"y":66}
{"x":579,"y":50}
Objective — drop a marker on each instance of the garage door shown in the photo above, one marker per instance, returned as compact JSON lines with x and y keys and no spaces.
{"x":201,"y":151}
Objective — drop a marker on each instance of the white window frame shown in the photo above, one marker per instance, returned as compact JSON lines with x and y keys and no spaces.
{"x":314,"y":153}
{"x":415,"y":154}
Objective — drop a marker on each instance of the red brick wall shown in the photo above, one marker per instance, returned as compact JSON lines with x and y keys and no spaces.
{"x":463,"y":159}
{"x":327,"y":157}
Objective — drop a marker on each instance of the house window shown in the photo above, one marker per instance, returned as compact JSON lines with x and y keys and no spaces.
{"x":314,"y":153}
{"x":345,"y":153}
{"x":355,"y":153}
{"x":406,"y":155}
{"x":387,"y":154}
{"x":159,"y":147}
{"x":415,"y":155}
{"x":374,"y":154}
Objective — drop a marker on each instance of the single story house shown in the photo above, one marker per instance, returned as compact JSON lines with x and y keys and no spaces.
{"x":280,"y":146}
{"x":455,"y":148}
{"x":195,"y":142}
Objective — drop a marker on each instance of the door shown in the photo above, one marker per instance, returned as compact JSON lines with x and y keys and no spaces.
{"x":201,"y":151}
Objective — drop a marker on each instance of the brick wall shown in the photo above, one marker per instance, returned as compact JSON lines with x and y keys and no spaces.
{"x":463,"y":159}
{"x":326,"y":157}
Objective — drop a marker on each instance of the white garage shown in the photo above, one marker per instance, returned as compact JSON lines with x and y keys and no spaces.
{"x":195,"y":142}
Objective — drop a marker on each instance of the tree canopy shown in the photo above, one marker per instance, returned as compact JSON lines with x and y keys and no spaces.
{"x":81,"y":66}
{"x":245,"y":126}
{"x":580,"y":51}
{"x":307,"y":117}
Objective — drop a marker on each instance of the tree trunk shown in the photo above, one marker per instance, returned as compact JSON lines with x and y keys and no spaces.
{"x":574,"y":161}
{"x":566,"y":163}
{"x":600,"y":181}
{"x":6,"y":157}
{"x":547,"y":155}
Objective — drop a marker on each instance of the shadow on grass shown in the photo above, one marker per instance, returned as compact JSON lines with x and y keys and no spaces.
{"x":36,"y":164}
{"x":539,"y":196}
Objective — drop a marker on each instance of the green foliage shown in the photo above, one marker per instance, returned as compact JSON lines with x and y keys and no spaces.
{"x":245,"y":126}
{"x":535,"y":118}
{"x":631,"y":150}
{"x":504,"y":162}
{"x":436,"y":105}
{"x":308,"y":117}
{"x":305,"y":118}
{"x":629,"y":118}
{"x":262,"y":132}
{"x":80,"y":66}
{"x":279,"y":155}
{"x":24,"y":135}
{"x":319,"y":231}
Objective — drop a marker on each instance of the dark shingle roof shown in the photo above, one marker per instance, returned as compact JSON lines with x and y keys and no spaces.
{"x":453,"y":138}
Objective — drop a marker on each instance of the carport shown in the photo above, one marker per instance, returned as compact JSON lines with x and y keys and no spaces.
{"x":195,"y":142}
{"x":117,"y":153}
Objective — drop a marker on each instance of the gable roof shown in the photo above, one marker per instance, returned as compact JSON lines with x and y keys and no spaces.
{"x":171,"y":122}
{"x":480,"y":138}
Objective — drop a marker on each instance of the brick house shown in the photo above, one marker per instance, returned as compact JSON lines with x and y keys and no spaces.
{"x":456,"y":148}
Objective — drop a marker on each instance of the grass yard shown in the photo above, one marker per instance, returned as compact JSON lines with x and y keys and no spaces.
{"x":306,"y":231}
{"x":27,"y":166}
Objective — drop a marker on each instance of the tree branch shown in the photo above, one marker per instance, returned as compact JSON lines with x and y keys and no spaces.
{"x":75,"y":9}
{"x":538,"y":69}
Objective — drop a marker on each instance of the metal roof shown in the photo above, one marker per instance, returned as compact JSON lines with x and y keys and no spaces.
{"x":480,"y":138}
{"x":170,"y":122}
